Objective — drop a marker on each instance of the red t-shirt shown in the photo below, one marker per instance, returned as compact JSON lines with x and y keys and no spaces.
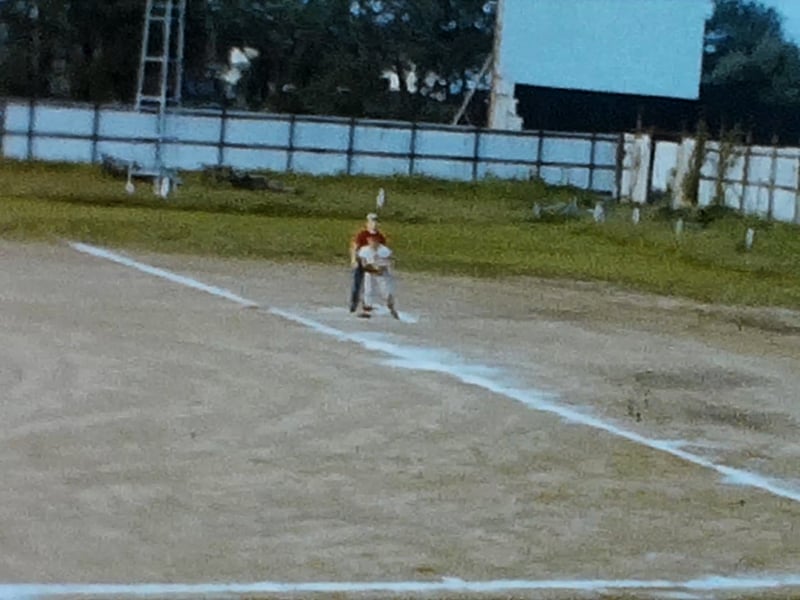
{"x":362,"y":238}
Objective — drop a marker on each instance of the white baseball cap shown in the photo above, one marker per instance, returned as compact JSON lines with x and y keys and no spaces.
{"x":372,"y":217}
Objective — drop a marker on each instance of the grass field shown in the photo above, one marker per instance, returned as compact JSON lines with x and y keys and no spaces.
{"x":485,"y":230}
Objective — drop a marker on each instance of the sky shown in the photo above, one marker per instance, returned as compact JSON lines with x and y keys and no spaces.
{"x":790,"y":10}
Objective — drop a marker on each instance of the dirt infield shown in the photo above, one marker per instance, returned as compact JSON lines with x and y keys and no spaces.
{"x":154,"y":433}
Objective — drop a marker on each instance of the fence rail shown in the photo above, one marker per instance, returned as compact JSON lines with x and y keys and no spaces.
{"x":196,"y":138}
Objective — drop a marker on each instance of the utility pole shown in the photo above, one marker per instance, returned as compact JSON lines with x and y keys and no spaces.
{"x":497,"y":44}
{"x":502,"y":104}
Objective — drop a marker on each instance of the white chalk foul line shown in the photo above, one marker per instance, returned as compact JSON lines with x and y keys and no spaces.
{"x":423,"y":359}
{"x":426,"y":359}
{"x":448,"y":585}
{"x":174,"y":277}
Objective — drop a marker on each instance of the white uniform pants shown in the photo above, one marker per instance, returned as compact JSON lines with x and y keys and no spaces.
{"x":377,"y":288}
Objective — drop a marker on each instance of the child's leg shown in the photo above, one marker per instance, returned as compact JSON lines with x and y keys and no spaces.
{"x":387,"y":287}
{"x":392,"y":309}
{"x":369,"y":291}
{"x":355,"y":289}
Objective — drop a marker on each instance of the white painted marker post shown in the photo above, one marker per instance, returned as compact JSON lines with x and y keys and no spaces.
{"x":636,"y":216}
{"x":749,"y":236}
{"x":129,"y":187}
{"x":166,"y":186}
{"x":599,"y":213}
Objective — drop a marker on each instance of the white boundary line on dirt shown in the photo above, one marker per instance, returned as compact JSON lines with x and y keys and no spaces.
{"x":423,"y":359}
{"x":447,"y":585}
{"x":163,"y":274}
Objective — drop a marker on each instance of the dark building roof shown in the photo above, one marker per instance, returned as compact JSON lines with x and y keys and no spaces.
{"x":571,"y":110}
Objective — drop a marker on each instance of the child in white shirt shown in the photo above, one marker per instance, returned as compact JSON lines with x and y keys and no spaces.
{"x":376,"y":260}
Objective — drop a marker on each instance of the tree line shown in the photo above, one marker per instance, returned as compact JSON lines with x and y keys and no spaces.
{"x":332,"y":56}
{"x":315,"y":56}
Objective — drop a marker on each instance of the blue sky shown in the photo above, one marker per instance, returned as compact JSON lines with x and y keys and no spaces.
{"x":790,"y":9}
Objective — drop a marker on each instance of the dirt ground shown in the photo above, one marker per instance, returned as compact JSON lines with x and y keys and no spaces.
{"x":154,"y":433}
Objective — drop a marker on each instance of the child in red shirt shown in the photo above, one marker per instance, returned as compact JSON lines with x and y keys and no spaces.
{"x":360,"y":240}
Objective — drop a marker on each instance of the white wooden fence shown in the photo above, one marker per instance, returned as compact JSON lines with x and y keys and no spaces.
{"x":756,"y":180}
{"x":316,"y":145}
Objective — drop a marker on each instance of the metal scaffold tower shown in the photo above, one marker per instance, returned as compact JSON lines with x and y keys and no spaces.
{"x":160,"y":76}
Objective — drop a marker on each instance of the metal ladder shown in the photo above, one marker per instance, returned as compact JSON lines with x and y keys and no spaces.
{"x":160,"y":72}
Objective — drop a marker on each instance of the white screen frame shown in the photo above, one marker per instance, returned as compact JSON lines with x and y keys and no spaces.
{"x":638,"y":47}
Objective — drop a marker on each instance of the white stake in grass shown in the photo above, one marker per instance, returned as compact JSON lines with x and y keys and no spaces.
{"x":129,"y":187}
{"x":679,"y":227}
{"x":636,"y":216}
{"x":598,"y":213}
{"x":165,"y":186}
{"x":381,"y":199}
{"x":749,"y":236}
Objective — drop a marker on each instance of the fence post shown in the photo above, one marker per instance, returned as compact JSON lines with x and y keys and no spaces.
{"x":476,"y":153}
{"x":539,"y":149}
{"x":620,"y":165}
{"x":746,"y":171}
{"x":592,"y":159}
{"x":651,"y":166}
{"x":412,"y":150}
{"x":719,"y":176}
{"x":223,"y":133}
{"x":290,"y":145}
{"x":31,"y":128}
{"x":351,"y":134}
{"x":796,"y":219}
{"x":773,"y":174}
{"x":95,"y":131}
{"x":4,"y":106}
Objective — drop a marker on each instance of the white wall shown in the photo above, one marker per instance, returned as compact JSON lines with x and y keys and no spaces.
{"x":635,"y":168}
{"x":315,"y":145}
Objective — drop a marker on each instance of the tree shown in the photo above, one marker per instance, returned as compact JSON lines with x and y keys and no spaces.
{"x":315,"y":56}
{"x":84,"y":50}
{"x":748,"y":63}
{"x":328,"y":56}
{"x":442,"y":42}
{"x":308,"y":50}
{"x":101,"y":47}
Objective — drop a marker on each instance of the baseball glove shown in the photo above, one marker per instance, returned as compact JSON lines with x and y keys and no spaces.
{"x":373,"y":269}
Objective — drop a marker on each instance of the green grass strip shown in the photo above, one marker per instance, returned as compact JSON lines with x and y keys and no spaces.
{"x":477,"y":229}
